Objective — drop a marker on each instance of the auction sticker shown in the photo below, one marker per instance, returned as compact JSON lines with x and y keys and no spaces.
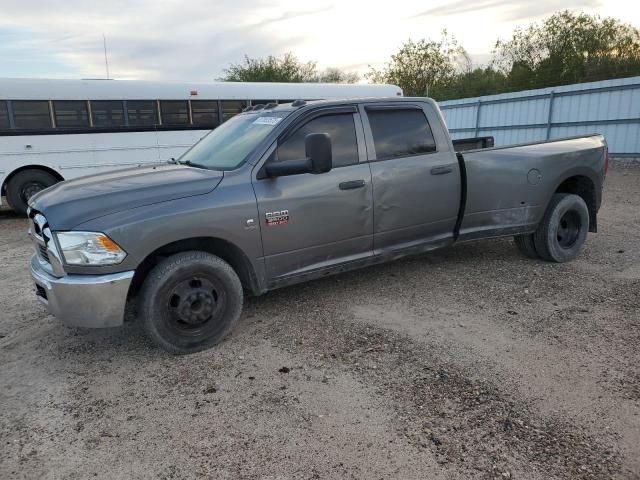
{"x":267,"y":120}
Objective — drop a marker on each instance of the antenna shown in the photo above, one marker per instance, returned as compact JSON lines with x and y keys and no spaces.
{"x":106,"y":61}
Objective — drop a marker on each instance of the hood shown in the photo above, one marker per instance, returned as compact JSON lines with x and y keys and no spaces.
{"x":72,"y":202}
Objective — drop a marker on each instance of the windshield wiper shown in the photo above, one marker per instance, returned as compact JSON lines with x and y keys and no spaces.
{"x":189,"y":163}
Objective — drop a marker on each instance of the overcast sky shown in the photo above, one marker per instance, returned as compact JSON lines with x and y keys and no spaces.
{"x":196,"y":39}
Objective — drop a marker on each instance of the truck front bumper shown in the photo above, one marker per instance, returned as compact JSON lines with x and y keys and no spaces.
{"x":92,"y":301}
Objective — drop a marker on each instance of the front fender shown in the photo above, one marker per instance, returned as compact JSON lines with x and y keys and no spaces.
{"x":220,"y":214}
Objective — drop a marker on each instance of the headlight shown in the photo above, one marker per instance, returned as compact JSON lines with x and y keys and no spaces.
{"x":89,"y":248}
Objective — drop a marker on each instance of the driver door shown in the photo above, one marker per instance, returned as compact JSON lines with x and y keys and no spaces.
{"x":310,"y":222}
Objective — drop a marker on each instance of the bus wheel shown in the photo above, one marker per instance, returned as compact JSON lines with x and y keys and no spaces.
{"x":23,"y":185}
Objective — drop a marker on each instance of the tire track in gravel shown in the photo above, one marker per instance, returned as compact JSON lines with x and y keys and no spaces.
{"x":460,"y":415}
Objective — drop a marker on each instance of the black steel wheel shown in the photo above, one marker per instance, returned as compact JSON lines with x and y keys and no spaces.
{"x":190,"y":301}
{"x":569,"y":227}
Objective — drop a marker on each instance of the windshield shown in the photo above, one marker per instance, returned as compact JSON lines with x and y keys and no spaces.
{"x":226,"y":147}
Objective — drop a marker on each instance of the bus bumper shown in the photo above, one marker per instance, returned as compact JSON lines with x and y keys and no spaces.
{"x":91,"y":301}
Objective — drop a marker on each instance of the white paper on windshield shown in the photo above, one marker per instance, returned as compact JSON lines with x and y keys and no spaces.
{"x":267,"y":120}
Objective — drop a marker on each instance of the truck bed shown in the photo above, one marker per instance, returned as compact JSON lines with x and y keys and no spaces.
{"x":508,"y":187}
{"x":472,"y":143}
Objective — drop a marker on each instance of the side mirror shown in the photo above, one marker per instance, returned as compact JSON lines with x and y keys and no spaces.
{"x":318,"y":159}
{"x":317,"y":147}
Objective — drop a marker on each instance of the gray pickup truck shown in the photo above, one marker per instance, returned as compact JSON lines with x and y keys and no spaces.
{"x":282,"y":194}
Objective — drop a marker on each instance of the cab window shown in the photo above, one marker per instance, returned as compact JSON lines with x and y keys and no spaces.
{"x":341,"y":129}
{"x":400,"y":133}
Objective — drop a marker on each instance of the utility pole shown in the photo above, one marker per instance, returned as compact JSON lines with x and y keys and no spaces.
{"x":106,"y":61}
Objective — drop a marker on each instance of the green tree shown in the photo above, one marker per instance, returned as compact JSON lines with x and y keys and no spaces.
{"x":283,"y":69}
{"x":423,"y":67}
{"x":569,"y":48}
{"x":473,"y":83}
{"x":335,"y":75}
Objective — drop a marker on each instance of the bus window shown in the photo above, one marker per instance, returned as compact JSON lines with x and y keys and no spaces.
{"x":231,"y":108}
{"x":174,"y":112}
{"x":71,"y":113}
{"x":261,"y":102}
{"x":142,"y":113}
{"x":31,"y":114}
{"x":4,"y":116}
{"x":107,"y":113}
{"x":205,"y":112}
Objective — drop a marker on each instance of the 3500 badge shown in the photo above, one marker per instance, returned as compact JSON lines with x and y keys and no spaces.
{"x":277,"y":218}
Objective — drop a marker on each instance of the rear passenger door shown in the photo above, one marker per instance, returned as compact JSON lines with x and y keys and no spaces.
{"x":415,"y":176}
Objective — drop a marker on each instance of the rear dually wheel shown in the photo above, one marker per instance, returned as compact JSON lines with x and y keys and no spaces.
{"x":563,"y":228}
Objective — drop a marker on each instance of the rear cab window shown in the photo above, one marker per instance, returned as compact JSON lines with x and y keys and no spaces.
{"x":400,"y":132}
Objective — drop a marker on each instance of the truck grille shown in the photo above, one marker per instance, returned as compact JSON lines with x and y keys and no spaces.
{"x":42,"y":249}
{"x":40,"y":234}
{"x":45,"y":246}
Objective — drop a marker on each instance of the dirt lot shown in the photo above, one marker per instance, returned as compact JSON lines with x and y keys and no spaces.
{"x":471,"y":362}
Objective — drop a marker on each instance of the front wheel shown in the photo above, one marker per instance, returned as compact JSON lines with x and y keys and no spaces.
{"x":190,"y":301}
{"x":563,"y":228}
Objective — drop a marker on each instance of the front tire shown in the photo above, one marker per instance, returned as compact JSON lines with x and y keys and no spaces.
{"x":25,"y":184}
{"x":563,"y":229}
{"x":190,"y":302}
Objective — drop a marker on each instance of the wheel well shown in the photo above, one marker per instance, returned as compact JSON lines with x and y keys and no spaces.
{"x":3,"y":189}
{"x":583,"y":187}
{"x":216,"y":246}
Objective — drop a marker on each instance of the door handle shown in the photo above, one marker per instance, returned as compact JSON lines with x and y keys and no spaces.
{"x":441,"y":170}
{"x":351,"y":184}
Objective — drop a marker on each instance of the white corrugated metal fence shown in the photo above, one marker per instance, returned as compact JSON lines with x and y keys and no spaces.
{"x":610,"y":107}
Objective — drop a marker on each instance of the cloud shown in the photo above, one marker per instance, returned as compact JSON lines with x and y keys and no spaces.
{"x":290,"y":16}
{"x":151,"y":40}
{"x":461,"y":6}
{"x":198,"y":39}
{"x":509,"y":9}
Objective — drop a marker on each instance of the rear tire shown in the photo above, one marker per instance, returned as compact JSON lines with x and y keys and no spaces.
{"x":23,"y":185}
{"x":190,"y":301}
{"x":563,"y":228}
{"x":526,"y":245}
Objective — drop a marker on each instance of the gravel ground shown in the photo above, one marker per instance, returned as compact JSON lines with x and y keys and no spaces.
{"x":469,"y":362}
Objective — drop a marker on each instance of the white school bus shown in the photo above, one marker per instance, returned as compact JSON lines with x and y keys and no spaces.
{"x":53,"y":130}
